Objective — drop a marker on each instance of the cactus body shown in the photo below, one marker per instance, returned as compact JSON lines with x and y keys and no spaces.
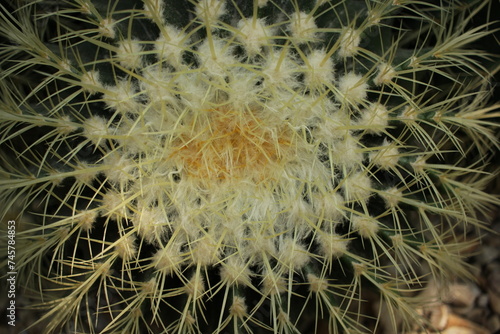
{"x":241,"y":167}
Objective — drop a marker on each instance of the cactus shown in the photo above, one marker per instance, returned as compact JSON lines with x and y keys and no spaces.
{"x":233,"y":166}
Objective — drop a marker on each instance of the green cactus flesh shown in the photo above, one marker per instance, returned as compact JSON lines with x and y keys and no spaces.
{"x":241,"y":167}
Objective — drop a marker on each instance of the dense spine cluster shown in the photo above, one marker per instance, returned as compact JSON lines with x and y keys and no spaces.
{"x":221,"y":166}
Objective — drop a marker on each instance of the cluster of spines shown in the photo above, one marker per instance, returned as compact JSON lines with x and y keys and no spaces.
{"x":102,"y":133}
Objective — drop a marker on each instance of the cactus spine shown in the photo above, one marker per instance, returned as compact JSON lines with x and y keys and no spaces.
{"x":241,"y":167}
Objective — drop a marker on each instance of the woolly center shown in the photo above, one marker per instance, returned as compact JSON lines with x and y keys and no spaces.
{"x":227,"y":144}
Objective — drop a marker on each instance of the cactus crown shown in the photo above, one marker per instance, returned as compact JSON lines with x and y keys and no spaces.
{"x":229,"y":166}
